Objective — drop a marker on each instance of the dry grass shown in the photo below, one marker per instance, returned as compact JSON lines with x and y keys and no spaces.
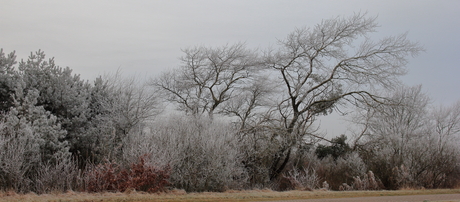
{"x":178,"y":195}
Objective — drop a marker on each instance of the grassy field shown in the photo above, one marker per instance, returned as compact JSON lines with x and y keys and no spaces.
{"x":253,"y":195}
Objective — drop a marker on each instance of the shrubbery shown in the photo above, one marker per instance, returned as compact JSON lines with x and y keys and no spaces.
{"x":245,"y":119}
{"x":139,"y":176}
{"x":203,"y":155}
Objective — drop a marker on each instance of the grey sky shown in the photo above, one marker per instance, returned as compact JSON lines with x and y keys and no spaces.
{"x":146,"y":36}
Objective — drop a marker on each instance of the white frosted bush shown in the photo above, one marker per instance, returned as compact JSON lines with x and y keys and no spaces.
{"x":203,"y":154}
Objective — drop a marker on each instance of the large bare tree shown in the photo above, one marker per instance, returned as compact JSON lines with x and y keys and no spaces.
{"x":313,"y":71}
{"x":331,"y":64}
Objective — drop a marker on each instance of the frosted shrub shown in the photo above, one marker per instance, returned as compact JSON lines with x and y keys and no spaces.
{"x":24,"y":169}
{"x":342,"y":170}
{"x":325,"y":185}
{"x":368,"y":182}
{"x":203,"y":154}
{"x":16,"y":157}
{"x":30,"y":141}
{"x":306,"y":179}
{"x":426,"y":162}
{"x":60,"y":176}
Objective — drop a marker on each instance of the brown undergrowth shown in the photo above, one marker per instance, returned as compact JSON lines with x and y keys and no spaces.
{"x":140,"y":176}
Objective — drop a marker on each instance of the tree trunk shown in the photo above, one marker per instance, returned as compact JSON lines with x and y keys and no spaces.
{"x":276,"y":171}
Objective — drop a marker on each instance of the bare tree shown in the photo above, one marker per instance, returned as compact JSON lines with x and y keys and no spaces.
{"x":402,"y":119}
{"x":315,"y":71}
{"x":125,"y":104}
{"x":447,"y":122}
{"x":323,"y":67}
{"x":408,"y":145}
{"x":208,"y":77}
{"x":444,"y":150}
{"x":132,"y":102}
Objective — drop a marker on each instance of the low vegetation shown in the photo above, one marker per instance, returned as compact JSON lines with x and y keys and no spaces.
{"x":139,"y":176}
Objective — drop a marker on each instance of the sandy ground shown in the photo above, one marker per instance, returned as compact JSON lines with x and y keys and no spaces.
{"x":412,"y":198}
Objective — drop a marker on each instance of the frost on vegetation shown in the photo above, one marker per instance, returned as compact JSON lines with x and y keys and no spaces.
{"x":31,"y":144}
{"x":245,"y":119}
{"x":203,"y":155}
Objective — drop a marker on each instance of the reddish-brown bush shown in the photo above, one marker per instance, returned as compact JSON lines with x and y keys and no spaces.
{"x":140,"y":176}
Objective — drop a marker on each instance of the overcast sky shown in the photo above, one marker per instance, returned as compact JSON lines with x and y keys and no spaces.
{"x":145,"y":37}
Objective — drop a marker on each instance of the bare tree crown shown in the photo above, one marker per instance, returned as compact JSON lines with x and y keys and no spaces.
{"x":313,"y":71}
{"x":208,"y":77}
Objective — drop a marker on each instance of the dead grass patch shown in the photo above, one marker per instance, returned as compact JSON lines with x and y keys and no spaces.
{"x":230,"y":195}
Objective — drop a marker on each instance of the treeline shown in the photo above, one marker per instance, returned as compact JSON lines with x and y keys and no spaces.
{"x":242,"y":119}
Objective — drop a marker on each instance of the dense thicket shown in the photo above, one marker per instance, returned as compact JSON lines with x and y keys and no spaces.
{"x":243,"y":119}
{"x":52,"y":119}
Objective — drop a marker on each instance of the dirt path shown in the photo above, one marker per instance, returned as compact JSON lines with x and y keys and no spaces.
{"x":412,"y":198}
